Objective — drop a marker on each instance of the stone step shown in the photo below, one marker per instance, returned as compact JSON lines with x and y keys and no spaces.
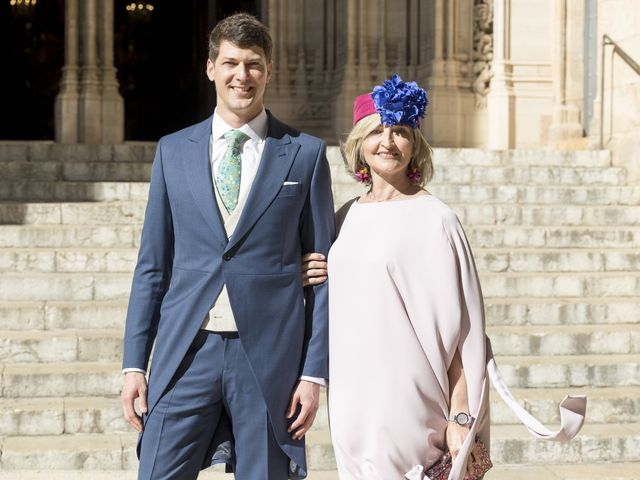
{"x":468,"y":157}
{"x":64,"y":286}
{"x":60,"y":191}
{"x":132,"y":212}
{"x":563,"y":340}
{"x":61,"y":379}
{"x":509,"y":445}
{"x":105,"y":378}
{"x":472,"y":156}
{"x":88,"y":213}
{"x":556,"y":260}
{"x":558,"y":311}
{"x":453,"y":194}
{"x":526,"y":174}
{"x":97,"y":189}
{"x":105,"y":345}
{"x":52,"y":315}
{"x":40,"y":346}
{"x":605,"y":405}
{"x":541,"y":195}
{"x":570,"y":371}
{"x":60,"y":236}
{"x":37,"y":151}
{"x":73,"y":415}
{"x":68,"y":260}
{"x":57,"y":416}
{"x":520,"y":284}
{"x":213,"y":473}
{"x":574,"y":237}
{"x":483,"y":214}
{"x":122,"y":260}
{"x":557,"y":215}
{"x":586,"y":471}
{"x":52,"y":171}
{"x":114,"y":286}
{"x":511,"y":175}
{"x":47,"y":151}
{"x":497,"y":236}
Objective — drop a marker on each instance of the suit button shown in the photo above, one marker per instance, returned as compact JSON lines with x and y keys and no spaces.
{"x":227,"y":257}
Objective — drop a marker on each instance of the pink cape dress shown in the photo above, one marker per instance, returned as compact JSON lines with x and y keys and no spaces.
{"x":403,"y":295}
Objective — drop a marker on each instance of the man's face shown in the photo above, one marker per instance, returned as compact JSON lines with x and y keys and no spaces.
{"x":240,"y":75}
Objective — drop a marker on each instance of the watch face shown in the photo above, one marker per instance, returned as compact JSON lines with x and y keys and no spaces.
{"x":462,"y":418}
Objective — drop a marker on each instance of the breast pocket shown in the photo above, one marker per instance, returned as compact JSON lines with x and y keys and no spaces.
{"x":289,"y":190}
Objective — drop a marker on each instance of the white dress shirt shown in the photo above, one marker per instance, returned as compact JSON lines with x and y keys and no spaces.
{"x":250,"y":152}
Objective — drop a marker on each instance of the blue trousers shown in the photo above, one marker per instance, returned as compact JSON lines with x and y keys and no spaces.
{"x":215,"y":375}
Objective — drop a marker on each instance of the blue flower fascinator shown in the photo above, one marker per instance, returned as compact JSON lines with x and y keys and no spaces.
{"x":400,"y":102}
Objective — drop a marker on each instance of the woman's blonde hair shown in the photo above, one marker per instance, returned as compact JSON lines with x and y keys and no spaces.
{"x":353,"y":153}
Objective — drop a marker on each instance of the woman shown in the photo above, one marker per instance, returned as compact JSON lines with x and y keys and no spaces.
{"x":408,"y":352}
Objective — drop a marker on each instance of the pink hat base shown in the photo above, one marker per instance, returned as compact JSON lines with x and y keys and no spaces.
{"x":363,"y":106}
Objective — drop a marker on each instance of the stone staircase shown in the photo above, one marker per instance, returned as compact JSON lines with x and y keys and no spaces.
{"x":556,"y":238}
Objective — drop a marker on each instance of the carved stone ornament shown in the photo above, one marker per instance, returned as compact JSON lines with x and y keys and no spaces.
{"x":482,"y":50}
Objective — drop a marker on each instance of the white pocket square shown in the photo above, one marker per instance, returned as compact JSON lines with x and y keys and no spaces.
{"x":290,"y":183}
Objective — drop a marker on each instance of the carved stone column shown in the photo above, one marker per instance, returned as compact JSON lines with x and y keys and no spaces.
{"x":90,"y":112}
{"x":565,"y":123}
{"x":66,"y":104}
{"x":306,"y":74}
{"x":501,"y":98}
{"x":351,"y":87}
{"x":449,"y":81}
{"x":89,"y":108}
{"x":112,"y":103}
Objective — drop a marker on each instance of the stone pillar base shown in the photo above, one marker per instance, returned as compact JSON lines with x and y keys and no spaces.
{"x":112,"y":118}
{"x":66,"y":118}
{"x":501,"y":120}
{"x":89,"y":108}
{"x":566,"y":125}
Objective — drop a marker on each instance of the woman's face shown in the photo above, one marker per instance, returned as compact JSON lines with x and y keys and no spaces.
{"x":388,"y":150}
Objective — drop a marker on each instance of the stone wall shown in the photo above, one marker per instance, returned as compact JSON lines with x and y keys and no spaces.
{"x":620,"y":19}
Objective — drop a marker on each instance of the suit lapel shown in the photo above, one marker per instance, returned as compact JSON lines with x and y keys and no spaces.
{"x":277,"y":157}
{"x":197,"y":166}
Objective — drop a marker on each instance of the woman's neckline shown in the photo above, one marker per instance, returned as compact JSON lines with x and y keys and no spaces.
{"x":400,"y":200}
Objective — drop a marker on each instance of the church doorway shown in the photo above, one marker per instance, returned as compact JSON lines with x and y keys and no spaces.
{"x":160,"y":51}
{"x":161,"y":57}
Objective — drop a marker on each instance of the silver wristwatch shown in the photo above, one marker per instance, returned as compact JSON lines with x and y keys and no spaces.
{"x":461,"y":418}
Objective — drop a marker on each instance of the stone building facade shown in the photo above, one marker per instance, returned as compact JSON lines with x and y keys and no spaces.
{"x":500,"y":73}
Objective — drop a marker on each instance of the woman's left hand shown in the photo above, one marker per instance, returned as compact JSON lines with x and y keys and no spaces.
{"x":314,"y":269}
{"x":455,"y":437}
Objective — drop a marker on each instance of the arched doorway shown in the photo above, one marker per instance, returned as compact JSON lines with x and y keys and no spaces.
{"x":160,"y":52}
{"x":32,"y":55}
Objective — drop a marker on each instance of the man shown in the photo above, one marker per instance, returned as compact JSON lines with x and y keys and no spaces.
{"x":233,"y":202}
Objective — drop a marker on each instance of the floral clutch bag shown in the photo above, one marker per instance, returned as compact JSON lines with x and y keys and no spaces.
{"x":482,"y":463}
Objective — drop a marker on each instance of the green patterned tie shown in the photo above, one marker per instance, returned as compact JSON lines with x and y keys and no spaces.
{"x":228,"y":178}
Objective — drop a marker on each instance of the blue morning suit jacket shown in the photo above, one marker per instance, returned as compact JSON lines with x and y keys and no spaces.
{"x":185,"y":259}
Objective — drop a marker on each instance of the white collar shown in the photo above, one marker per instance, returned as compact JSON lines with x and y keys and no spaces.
{"x":256,"y":128}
